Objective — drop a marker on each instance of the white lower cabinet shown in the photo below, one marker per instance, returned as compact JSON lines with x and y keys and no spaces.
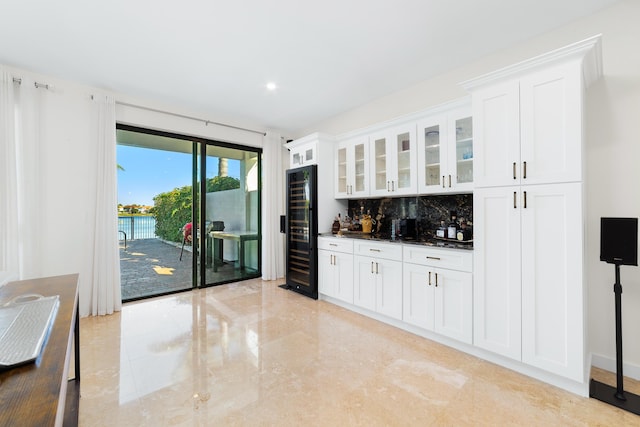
{"x":429,"y":288}
{"x":529,"y":298}
{"x":378,"y":278}
{"x":438,"y":299}
{"x":335,"y":268}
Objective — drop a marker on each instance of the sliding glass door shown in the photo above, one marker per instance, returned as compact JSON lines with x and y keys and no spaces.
{"x":202,"y":201}
{"x":229,"y":203}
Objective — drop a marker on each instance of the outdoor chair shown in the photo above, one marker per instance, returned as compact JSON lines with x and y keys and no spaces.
{"x":186,"y":237}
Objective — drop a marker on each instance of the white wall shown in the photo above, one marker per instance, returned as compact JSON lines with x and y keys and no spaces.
{"x":613,"y":152}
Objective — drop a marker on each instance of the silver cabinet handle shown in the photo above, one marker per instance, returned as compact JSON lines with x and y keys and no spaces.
{"x":429,"y":278}
{"x":376,"y":268}
{"x":514,"y":170}
{"x":433,"y":257}
{"x":524,"y":170}
{"x":374,"y":250}
{"x":388,"y":186}
{"x":443,"y":181}
{"x":371,"y":267}
{"x":525,"y":199}
{"x":332,"y":244}
{"x":393,"y":186}
{"x":436,"y":280}
{"x":449,"y":181}
{"x":514,"y":200}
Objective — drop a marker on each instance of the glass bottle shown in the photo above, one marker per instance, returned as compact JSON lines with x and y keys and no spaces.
{"x":453,"y":227}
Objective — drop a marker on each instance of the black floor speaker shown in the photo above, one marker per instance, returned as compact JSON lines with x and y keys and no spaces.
{"x":619,"y":246}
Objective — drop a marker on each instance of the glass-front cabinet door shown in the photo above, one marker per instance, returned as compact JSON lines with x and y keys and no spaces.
{"x":352,"y":168}
{"x":342,"y":178}
{"x":360,"y":168}
{"x":393,"y":161}
{"x":381,"y":180}
{"x":464,"y":153}
{"x":432,"y":155}
{"x":445,"y":153}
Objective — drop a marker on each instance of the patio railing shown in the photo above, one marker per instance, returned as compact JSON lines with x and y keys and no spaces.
{"x":137,"y":227}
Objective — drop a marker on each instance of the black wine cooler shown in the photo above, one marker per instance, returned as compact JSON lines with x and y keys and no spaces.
{"x":302,"y":231}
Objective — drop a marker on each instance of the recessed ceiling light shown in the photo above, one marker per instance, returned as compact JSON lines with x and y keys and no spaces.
{"x":271,"y":86}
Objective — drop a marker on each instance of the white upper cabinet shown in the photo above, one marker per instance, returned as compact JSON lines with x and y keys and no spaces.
{"x":528,"y":130}
{"x":352,"y":168}
{"x":393,"y":161}
{"x":303,"y":155}
{"x":445,"y":153}
{"x":310,"y":150}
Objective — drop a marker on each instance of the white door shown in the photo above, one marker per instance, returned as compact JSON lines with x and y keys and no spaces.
{"x":497,"y":282}
{"x":417,"y":295}
{"x":496,"y":131}
{"x":550,"y":126}
{"x":364,"y":282}
{"x":326,"y":283}
{"x":453,"y":304}
{"x":552,"y":279}
{"x":343,"y":268}
{"x":389,"y":288}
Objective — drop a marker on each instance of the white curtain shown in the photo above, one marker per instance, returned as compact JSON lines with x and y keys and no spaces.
{"x":105,"y":269}
{"x":272,"y":207}
{"x":9,"y":254}
{"x":20,"y":178}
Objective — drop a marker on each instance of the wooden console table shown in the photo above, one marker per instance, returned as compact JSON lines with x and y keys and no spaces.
{"x":41,"y":393}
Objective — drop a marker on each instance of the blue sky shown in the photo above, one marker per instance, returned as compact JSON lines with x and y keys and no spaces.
{"x":150,"y":172}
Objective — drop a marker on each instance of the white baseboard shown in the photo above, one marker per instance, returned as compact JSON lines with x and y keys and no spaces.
{"x":630,"y":370}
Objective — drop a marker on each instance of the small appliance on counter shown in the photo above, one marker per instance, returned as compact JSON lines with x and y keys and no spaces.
{"x":407,"y":228}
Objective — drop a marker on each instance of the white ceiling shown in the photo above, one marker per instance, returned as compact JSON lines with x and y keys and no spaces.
{"x":216,"y":57}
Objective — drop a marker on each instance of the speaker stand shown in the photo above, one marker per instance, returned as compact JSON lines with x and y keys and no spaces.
{"x":616,"y":396}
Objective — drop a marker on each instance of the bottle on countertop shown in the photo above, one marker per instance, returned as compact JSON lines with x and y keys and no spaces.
{"x":442,"y":230}
{"x":452,"y":229}
{"x":461,"y":233}
{"x":335,"y":228}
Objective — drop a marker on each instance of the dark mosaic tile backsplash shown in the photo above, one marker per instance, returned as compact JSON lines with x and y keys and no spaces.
{"x":427,"y":210}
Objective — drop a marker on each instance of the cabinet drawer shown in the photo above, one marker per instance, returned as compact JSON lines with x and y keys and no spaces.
{"x":378,"y":250}
{"x":336,"y":244}
{"x":451,"y":259}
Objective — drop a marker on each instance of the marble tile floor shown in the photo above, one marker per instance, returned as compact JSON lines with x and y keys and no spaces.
{"x":253,"y":354}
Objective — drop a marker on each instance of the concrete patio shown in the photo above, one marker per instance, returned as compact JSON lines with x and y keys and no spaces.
{"x":151,"y":267}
